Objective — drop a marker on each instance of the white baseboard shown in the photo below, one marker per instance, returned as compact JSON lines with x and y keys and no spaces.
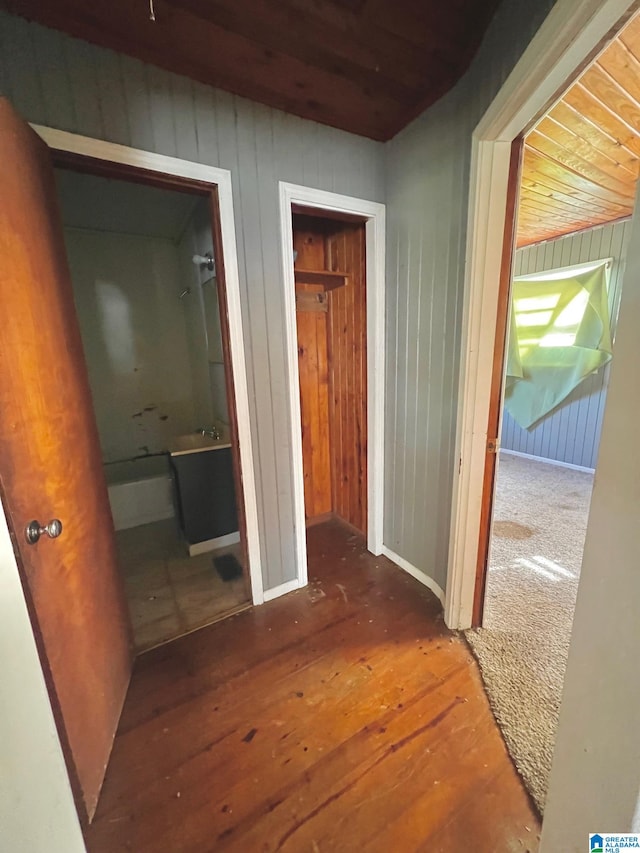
{"x":415,"y":573}
{"x":548,"y":461}
{"x":283,"y":589}
{"x":214,"y":544}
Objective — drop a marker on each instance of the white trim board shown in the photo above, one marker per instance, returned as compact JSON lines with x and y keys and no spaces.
{"x":221,"y":178}
{"x":555,"y":462}
{"x":573,"y":31}
{"x":282,"y":589}
{"x":408,"y":567}
{"x":374,"y":213}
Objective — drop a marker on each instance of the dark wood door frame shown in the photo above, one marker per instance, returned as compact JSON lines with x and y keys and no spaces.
{"x":497,"y":379}
{"x":192,"y":186}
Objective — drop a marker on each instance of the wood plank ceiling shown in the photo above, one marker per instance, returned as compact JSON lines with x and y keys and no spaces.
{"x":366,"y":66}
{"x":581,"y":161}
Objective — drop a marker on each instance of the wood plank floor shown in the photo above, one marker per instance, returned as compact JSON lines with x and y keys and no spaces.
{"x":341,"y":717}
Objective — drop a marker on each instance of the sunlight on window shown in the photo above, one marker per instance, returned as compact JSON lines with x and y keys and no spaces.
{"x":534,"y":318}
{"x":558,"y":339}
{"x":569,"y":318}
{"x":574,"y":312}
{"x":559,"y":334}
{"x":536,"y":303}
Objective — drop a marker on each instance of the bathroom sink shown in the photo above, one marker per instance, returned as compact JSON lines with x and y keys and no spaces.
{"x":196,"y":443}
{"x":205,"y":491}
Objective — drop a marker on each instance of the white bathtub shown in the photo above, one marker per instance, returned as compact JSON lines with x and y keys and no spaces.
{"x":140,"y":491}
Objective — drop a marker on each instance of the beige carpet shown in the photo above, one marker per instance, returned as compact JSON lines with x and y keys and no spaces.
{"x":540,"y":520}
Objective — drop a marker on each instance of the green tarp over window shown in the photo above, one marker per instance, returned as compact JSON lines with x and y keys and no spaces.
{"x":559,"y":335}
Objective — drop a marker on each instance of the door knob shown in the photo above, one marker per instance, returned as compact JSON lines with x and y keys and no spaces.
{"x":34,"y":530}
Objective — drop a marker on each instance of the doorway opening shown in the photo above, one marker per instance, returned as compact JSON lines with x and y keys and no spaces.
{"x":333,"y":274}
{"x":152,"y":315}
{"x":573,"y":198}
{"x":53,"y":483}
{"x":330,"y":292}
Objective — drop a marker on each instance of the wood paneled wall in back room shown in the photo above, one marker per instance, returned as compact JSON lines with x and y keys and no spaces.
{"x":332,"y":362}
{"x":62,"y":82}
{"x":571,"y":432}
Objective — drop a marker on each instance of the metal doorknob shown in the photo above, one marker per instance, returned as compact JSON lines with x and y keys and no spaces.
{"x":34,"y":530}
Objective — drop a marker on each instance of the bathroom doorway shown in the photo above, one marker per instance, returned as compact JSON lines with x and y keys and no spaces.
{"x":151,"y":306}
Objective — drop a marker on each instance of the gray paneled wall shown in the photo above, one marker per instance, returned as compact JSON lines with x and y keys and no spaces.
{"x":59,"y":81}
{"x":571,"y":433}
{"x":427,"y":197}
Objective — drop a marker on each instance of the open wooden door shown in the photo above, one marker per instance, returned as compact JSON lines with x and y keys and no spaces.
{"x":51,"y":468}
{"x":497,"y":379}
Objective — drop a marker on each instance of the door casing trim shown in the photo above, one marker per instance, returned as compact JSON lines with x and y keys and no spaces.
{"x":374,"y":213}
{"x":573,"y":33}
{"x":98,"y":149}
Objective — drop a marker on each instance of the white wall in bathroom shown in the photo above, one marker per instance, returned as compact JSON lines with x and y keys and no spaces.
{"x":203,"y":320}
{"x":135,"y":334}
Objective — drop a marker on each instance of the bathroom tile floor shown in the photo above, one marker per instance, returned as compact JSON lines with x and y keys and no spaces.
{"x":170,"y":593}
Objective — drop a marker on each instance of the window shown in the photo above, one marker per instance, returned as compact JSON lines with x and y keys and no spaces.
{"x":559,"y":334}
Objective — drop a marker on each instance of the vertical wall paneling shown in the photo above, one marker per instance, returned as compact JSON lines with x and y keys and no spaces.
{"x":309,"y":242}
{"x":425,"y":177}
{"x":313,"y":370}
{"x":348,"y":369}
{"x":427,"y":173}
{"x":138,"y":102}
{"x":571,"y":433}
{"x":150,"y":108}
{"x":332,"y":364}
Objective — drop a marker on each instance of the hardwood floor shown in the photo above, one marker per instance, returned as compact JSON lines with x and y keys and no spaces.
{"x":341,"y":717}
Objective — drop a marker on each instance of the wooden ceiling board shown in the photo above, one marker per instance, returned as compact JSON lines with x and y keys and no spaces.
{"x":568,"y":119}
{"x":589,"y":167}
{"x":541,"y":169}
{"x":551,"y":203}
{"x":365,"y":66}
{"x":582,"y":159}
{"x":609,"y":159}
{"x":602,"y":117}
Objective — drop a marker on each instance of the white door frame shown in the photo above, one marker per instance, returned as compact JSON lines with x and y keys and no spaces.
{"x":573,"y":33}
{"x":374,"y":213}
{"x":221,"y":178}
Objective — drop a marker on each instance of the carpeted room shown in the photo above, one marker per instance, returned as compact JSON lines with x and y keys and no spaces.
{"x":541,"y":500}
{"x":562,"y":315}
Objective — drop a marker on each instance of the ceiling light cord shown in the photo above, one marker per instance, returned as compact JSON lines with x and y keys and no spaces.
{"x":152,"y":11}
